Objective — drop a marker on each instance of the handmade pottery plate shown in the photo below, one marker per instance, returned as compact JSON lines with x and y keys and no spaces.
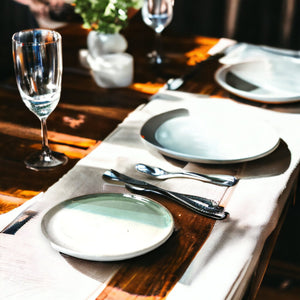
{"x":262,"y":81}
{"x":213,"y":134}
{"x":107,"y":227}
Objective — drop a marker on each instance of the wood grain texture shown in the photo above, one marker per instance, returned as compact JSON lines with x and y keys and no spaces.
{"x":86,"y":113}
{"x":153,"y":275}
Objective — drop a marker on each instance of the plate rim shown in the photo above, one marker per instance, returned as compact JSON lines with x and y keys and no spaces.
{"x":80,"y":255}
{"x":219,"y":78}
{"x":153,"y":143}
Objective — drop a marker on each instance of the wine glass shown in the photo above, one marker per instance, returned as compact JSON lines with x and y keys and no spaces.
{"x":37,"y":55}
{"x":157,"y":14}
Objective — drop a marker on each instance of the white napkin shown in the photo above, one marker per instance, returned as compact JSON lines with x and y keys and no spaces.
{"x":223,"y":44}
{"x":268,"y":68}
{"x":244,"y":52}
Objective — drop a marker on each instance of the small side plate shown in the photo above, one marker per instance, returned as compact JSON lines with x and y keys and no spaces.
{"x":262,"y":81}
{"x":107,"y":227}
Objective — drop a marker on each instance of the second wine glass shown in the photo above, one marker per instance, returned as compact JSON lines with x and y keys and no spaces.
{"x":157,"y":14}
{"x":37,"y":55}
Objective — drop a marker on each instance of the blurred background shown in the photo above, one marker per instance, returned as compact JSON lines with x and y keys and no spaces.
{"x":269,"y":22}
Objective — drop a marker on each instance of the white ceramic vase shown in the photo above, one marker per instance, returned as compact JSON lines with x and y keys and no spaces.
{"x":110,"y":66}
{"x":102,"y":43}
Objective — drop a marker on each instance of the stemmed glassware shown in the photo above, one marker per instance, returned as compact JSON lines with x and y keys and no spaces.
{"x":157,"y":14}
{"x":37,"y":55}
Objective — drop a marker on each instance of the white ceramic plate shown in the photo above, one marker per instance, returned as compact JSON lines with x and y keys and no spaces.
{"x":107,"y":227}
{"x":214,"y":134}
{"x":263,"y":81}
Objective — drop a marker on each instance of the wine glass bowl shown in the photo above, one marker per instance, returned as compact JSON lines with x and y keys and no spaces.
{"x":37,"y":55}
{"x":157,"y":14}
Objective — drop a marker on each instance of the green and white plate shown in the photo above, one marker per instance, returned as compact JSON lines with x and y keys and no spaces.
{"x":107,"y":227}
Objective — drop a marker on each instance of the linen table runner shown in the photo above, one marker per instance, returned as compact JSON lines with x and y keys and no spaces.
{"x":227,"y":257}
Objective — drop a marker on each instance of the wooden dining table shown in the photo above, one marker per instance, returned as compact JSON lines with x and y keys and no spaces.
{"x":87,"y":114}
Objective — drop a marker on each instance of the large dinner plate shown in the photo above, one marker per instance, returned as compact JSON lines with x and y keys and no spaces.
{"x":263,"y":81}
{"x":210,"y":135}
{"x":107,"y":227}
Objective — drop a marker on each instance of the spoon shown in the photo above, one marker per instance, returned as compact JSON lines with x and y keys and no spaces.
{"x":200,"y":205}
{"x":158,"y":173}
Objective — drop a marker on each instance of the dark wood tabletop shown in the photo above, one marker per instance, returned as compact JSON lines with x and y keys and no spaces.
{"x":87,"y":113}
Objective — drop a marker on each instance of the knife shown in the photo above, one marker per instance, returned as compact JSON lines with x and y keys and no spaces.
{"x":216,"y":52}
{"x":175,"y":83}
{"x":200,"y":205}
{"x":15,"y":219}
{"x":19,"y":221}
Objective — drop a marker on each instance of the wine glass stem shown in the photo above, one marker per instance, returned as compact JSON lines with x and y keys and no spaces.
{"x":158,"y":48}
{"x":45,"y":146}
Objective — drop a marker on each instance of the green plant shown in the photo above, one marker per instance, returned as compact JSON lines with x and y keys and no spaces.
{"x":106,"y":16}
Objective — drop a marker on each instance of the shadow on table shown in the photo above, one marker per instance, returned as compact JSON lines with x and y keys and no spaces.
{"x":99,"y":271}
{"x":273,"y":164}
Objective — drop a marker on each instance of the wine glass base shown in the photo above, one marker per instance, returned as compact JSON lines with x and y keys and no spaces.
{"x":43,"y":161}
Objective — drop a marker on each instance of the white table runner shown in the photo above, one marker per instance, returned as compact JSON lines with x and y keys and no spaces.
{"x":30,"y":269}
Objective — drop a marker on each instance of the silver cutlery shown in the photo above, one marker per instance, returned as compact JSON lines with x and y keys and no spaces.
{"x":216,"y":213}
{"x":19,"y":221}
{"x":215,"y":52}
{"x":175,"y":83}
{"x":116,"y":176}
{"x":159,"y":173}
{"x":201,"y":205}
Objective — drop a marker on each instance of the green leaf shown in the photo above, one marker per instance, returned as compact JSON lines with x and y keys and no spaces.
{"x":106,"y":16}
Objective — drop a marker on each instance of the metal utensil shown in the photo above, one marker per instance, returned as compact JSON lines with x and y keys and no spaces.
{"x":175,"y":83}
{"x":159,"y":173}
{"x":202,"y":206}
{"x":216,"y":52}
{"x":116,"y":176}
{"x":19,"y":221}
{"x":214,"y":214}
